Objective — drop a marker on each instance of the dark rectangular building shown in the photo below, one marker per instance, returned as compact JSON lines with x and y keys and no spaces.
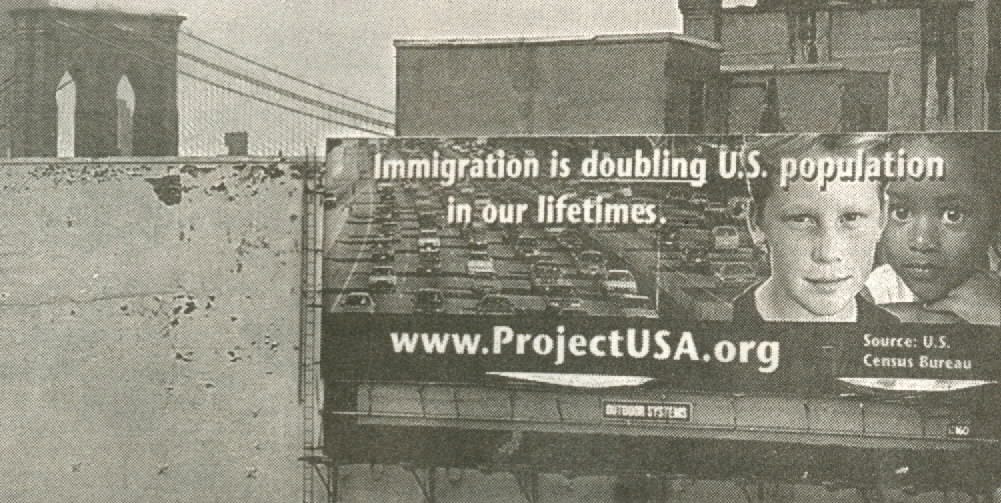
{"x":639,"y":84}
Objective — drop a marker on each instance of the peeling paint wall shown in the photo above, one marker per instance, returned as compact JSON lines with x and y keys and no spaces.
{"x":148,"y":325}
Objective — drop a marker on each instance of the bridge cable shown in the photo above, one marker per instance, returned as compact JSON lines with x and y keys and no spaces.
{"x":286,"y":75}
{"x":270,"y":87}
{"x":220,"y":86}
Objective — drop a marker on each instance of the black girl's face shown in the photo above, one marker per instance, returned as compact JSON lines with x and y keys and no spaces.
{"x":939,"y":232}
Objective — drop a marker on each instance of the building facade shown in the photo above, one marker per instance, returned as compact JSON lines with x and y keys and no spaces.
{"x":628,"y":84}
{"x":939,"y":57}
{"x":896,"y":65}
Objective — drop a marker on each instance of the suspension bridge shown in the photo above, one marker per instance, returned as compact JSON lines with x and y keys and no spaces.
{"x":218,"y":90}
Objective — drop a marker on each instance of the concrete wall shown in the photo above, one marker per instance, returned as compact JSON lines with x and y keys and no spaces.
{"x":148,"y":323}
{"x":552,"y":88}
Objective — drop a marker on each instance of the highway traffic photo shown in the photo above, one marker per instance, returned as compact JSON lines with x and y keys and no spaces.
{"x":395,"y":240}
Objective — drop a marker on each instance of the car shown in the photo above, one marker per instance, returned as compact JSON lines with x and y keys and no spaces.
{"x":429,"y":300}
{"x":483,"y":287}
{"x":546,"y":270}
{"x":383,"y":255}
{"x":590,"y":263}
{"x":385,"y":211}
{"x":718,"y":211}
{"x":477,"y":240}
{"x":545,"y":274}
{"x":466,"y":230}
{"x":573,"y":312}
{"x":377,"y":243}
{"x":540,"y":257}
{"x":427,"y":239}
{"x":388,"y":235}
{"x":356,"y":302}
{"x":360,"y":212}
{"x":636,"y":306}
{"x":557,"y":303}
{"x":695,"y":260}
{"x":526,"y":247}
{"x":495,"y":304}
{"x":725,"y":237}
{"x":735,"y":275}
{"x":682,"y":217}
{"x":480,"y":265}
{"x":382,"y":278}
{"x":562,"y":289}
{"x":698,"y":200}
{"x":619,"y":282}
{"x":570,"y":241}
{"x":427,"y":219}
{"x":428,"y":262}
{"x":687,"y":238}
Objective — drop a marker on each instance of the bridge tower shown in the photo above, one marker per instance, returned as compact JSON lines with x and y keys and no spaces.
{"x":702,"y":18}
{"x":95,"y":49}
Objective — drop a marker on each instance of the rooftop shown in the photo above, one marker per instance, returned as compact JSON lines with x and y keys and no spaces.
{"x":791,"y":68}
{"x":90,"y":7}
{"x":783,"y":68}
{"x":615,"y":38}
{"x":765,"y":6}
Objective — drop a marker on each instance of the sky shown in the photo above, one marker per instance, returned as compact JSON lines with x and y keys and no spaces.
{"x":347,"y":45}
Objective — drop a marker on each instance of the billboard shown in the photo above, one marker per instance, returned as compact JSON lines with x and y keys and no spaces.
{"x":771,"y":286}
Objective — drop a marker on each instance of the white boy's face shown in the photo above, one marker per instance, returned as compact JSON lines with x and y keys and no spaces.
{"x":938,"y":233}
{"x":822,"y":243}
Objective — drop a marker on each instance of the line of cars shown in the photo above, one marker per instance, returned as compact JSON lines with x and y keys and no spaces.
{"x":553,"y":269}
{"x":565,"y":285}
{"x":382,"y":246}
{"x":709,"y":239}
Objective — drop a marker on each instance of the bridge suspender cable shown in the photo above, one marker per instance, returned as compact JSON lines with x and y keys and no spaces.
{"x":285,"y":92}
{"x":270,"y":87}
{"x":220,"y":86}
{"x":286,"y":75}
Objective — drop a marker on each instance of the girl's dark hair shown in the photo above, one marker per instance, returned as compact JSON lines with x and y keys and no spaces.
{"x":980,"y":151}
